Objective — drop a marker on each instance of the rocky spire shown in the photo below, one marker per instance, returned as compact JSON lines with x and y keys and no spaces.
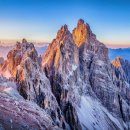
{"x":60,"y":60}
{"x":63,"y":34}
{"x":81,"y":32}
{"x":121,"y":67}
{"x":24,"y":40}
{"x":90,"y":76}
{"x":62,"y":30}
{"x":19,"y":53}
{"x":117,"y":61}
{"x":62,"y":44}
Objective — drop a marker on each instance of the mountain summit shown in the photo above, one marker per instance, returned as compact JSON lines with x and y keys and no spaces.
{"x":79,"y":71}
{"x":81,"y":33}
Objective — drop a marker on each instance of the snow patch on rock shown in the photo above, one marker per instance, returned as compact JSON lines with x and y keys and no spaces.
{"x":94,"y":116}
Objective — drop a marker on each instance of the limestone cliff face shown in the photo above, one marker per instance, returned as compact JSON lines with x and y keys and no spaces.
{"x":78,"y":67}
{"x":121,"y":78}
{"x":95,"y":69}
{"x":81,"y":33}
{"x":15,"y":56}
{"x":60,"y":62}
{"x":24,"y":66}
{"x":55,"y":51}
{"x":18,"y":114}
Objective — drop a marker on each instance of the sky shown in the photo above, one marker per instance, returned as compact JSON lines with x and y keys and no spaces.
{"x":39,"y":20}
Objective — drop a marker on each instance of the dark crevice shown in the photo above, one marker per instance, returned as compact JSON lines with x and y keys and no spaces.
{"x":121,"y":109}
{"x":66,"y":107}
{"x":68,"y":113}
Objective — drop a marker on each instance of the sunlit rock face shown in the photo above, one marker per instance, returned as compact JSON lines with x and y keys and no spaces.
{"x":95,"y":69}
{"x":81,"y":33}
{"x":117,"y":62}
{"x":15,"y":57}
{"x":24,"y":66}
{"x":19,"y":53}
{"x":121,"y":68}
{"x":60,"y":62}
{"x":78,"y":67}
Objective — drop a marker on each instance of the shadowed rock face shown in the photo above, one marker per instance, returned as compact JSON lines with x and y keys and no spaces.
{"x":18,"y":114}
{"x":120,"y":63}
{"x":77,"y":65}
{"x":121,"y":76}
{"x":32,"y":84}
{"x":60,"y":61}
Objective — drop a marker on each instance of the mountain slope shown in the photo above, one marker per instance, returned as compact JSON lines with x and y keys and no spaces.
{"x":79,"y":69}
{"x":24,"y":67}
{"x":18,"y":114}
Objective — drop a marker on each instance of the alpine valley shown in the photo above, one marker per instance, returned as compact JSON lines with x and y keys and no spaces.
{"x":72,"y":85}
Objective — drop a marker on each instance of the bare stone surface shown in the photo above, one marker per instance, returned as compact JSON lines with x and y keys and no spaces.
{"x":91,"y":74}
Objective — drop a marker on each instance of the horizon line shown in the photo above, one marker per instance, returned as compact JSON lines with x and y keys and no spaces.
{"x":14,"y":41}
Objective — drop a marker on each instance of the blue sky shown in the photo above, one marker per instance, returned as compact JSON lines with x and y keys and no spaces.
{"x":40,"y":19}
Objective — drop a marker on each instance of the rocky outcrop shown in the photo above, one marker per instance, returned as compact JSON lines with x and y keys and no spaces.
{"x":25,"y":66}
{"x":78,"y":67}
{"x":22,"y":50}
{"x":123,"y":66}
{"x":81,"y":33}
{"x":60,"y":61}
{"x":17,"y":114}
{"x":117,"y":62}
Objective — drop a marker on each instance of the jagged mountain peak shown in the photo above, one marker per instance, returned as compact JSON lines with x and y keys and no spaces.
{"x":78,"y":67}
{"x":58,"y":47}
{"x":80,"y":21}
{"x":64,"y":28}
{"x":24,"y":40}
{"x":63,"y":34}
{"x":81,"y":33}
{"x":122,"y":67}
{"x":20,"y":52}
{"x":117,"y":61}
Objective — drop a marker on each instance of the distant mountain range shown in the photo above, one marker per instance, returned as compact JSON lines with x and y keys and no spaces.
{"x":5,"y":49}
{"x":124,"y":52}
